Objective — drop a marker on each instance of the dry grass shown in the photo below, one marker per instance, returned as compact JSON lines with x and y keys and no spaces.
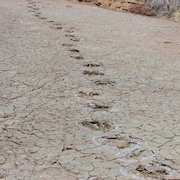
{"x":176,"y":16}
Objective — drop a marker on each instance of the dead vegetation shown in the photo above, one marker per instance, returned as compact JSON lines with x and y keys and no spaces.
{"x":133,"y":6}
{"x":162,"y":7}
{"x":168,"y":8}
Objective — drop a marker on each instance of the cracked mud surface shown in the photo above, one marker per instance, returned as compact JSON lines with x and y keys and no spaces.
{"x":58,"y":121}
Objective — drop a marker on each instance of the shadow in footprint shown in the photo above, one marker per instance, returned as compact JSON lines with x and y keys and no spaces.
{"x":98,"y":107}
{"x":93,"y":73}
{"x":42,"y":17}
{"x":88,"y":95}
{"x":29,"y":6}
{"x":74,"y":50}
{"x":97,"y":125}
{"x":31,"y":10}
{"x":36,"y":9}
{"x":50,"y":21}
{"x":70,"y":35}
{"x":92,"y":65}
{"x":37,"y":15}
{"x":67,"y":45}
{"x":32,"y":2}
{"x":119,"y":142}
{"x":57,"y":26}
{"x":75,"y":39}
{"x":104,"y":82}
{"x":70,"y":30}
{"x":78,"y":57}
{"x":152,"y":172}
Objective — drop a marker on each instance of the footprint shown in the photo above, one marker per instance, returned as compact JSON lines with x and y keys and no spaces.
{"x":31,"y":10}
{"x":71,"y":30}
{"x":104,"y":82}
{"x":97,"y":125}
{"x":67,"y":148}
{"x":50,"y":21}
{"x":74,"y":50}
{"x":57,"y":26}
{"x":119,"y":142}
{"x":36,"y":9}
{"x":95,"y":178}
{"x":42,"y":17}
{"x":70,"y":35}
{"x":152,"y":172}
{"x":75,"y":39}
{"x":135,"y":152}
{"x":79,"y":56}
{"x":67,"y":45}
{"x":92,"y":65}
{"x":98,"y":107}
{"x":37,"y":15}
{"x":93,"y":73}
{"x":29,"y":6}
{"x":88,"y":95}
{"x":32,"y":2}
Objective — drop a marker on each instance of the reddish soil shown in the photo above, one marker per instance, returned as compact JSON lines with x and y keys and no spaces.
{"x":132,"y":6}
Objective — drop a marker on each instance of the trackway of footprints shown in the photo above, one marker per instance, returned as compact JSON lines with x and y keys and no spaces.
{"x":130,"y":151}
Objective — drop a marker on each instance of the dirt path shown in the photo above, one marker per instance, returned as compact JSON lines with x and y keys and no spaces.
{"x":87,"y":93}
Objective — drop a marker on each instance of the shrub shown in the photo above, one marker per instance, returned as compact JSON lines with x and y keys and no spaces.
{"x":176,"y":16}
{"x":164,"y":7}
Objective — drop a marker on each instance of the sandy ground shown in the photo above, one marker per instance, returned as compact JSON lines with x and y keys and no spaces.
{"x":87,"y":93}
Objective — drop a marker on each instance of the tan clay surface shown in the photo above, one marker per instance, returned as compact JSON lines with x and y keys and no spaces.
{"x":87,"y":93}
